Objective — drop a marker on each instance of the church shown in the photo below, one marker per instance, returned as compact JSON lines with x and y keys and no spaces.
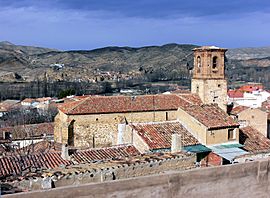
{"x":149,"y":122}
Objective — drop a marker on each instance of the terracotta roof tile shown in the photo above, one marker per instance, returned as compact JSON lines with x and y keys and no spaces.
{"x":253,"y":140}
{"x":251,"y":87}
{"x":8,"y":105}
{"x":42,"y":146}
{"x":90,"y":155}
{"x":15,"y":163}
{"x":210,"y":115}
{"x":158,"y":135}
{"x":238,"y":109}
{"x":116,"y":104}
{"x":235,"y":93}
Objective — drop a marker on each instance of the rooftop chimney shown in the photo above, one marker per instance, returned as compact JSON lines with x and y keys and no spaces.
{"x":64,"y":152}
{"x":176,"y":143}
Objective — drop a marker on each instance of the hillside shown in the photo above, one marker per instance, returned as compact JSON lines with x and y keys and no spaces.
{"x":86,"y":65}
{"x":97,"y":69}
{"x":248,"y":53}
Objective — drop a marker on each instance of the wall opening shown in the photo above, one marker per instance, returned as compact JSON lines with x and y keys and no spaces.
{"x":215,"y":62}
{"x":71,"y":133}
{"x":197,"y":89}
{"x":231,"y":134}
{"x":199,"y":64}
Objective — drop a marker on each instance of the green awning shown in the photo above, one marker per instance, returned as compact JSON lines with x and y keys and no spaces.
{"x":225,"y":146}
{"x":197,"y":148}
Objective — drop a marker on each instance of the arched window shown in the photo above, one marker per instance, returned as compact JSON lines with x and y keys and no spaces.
{"x":215,"y":62}
{"x":199,"y":64}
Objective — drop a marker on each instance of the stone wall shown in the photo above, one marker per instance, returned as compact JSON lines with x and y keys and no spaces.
{"x":250,"y":179}
{"x":211,"y":91}
{"x":102,"y":128}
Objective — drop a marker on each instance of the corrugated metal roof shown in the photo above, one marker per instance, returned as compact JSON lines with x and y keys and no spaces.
{"x":228,"y":153}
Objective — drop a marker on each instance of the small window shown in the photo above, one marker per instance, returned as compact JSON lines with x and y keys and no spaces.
{"x":215,"y":62}
{"x":167,"y":116}
{"x":231,"y":134}
{"x":197,"y":89}
{"x":219,"y":85}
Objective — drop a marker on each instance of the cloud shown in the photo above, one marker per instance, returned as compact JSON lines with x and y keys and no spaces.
{"x":70,"y":25}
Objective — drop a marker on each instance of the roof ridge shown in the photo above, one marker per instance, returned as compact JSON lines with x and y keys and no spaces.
{"x":104,"y":148}
{"x":160,"y":122}
{"x":78,"y":104}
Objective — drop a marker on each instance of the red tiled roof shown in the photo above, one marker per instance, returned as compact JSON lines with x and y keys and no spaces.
{"x":238,"y":109}
{"x":251,"y":87}
{"x":253,"y":140}
{"x":28,"y":100}
{"x":28,"y":131}
{"x":44,"y":99}
{"x":42,"y":146}
{"x":158,"y":135}
{"x":191,"y":98}
{"x":235,"y":93}
{"x":116,"y":104}
{"x":90,"y":155}
{"x":7,"y":105}
{"x":13,"y":165}
{"x":31,"y":100}
{"x":211,"y":116}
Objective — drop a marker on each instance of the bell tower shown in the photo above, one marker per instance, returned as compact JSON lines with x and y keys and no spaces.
{"x":208,"y":79}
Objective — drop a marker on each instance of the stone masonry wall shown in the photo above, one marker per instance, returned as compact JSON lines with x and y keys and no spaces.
{"x":103,"y":127}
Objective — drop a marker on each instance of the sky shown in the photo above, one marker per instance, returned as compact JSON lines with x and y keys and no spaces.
{"x":90,"y":24}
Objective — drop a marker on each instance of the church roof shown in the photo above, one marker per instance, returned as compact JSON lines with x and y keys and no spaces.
{"x":118,"y":104}
{"x":211,"y":116}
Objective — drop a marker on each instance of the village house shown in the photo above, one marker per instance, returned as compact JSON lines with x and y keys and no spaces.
{"x":24,"y":135}
{"x":254,"y":117}
{"x":251,"y":95}
{"x":8,"y":105}
{"x":41,"y":103}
